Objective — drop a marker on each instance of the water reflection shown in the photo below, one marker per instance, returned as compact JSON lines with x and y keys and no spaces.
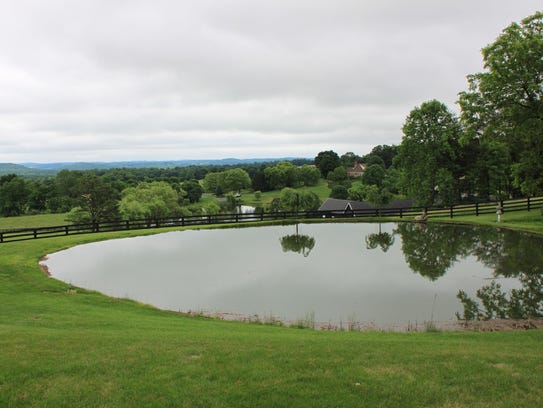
{"x":384,"y":240}
{"x":431,"y":250}
{"x":404,"y":273}
{"x":301,"y":244}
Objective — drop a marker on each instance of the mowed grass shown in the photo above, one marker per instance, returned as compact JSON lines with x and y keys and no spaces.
{"x":522,"y":220}
{"x":33,"y":221}
{"x":66,"y":348}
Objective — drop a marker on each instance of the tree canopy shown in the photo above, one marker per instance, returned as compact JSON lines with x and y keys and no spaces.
{"x":504,"y":104}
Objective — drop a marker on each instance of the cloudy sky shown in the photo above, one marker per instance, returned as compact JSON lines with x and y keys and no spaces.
{"x":104,"y":80}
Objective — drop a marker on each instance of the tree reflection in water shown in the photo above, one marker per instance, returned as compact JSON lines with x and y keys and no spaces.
{"x":431,"y":250}
{"x":380,"y":239}
{"x":301,"y":244}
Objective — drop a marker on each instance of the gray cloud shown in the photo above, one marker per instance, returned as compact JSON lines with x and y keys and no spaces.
{"x":123,"y":80}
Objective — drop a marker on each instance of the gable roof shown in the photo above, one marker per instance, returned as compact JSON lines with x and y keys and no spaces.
{"x":334,"y":204}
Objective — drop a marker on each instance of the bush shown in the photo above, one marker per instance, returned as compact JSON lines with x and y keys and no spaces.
{"x":340,"y":192}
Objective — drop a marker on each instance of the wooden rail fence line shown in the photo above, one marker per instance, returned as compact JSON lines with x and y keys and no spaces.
{"x":476,"y":209}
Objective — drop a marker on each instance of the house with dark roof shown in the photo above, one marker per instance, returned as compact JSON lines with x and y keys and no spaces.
{"x":337,"y":206}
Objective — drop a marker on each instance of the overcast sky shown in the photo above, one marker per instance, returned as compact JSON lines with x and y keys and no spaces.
{"x":105,"y":80}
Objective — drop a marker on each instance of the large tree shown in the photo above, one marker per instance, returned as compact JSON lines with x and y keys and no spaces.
{"x":326,"y":162}
{"x":504,"y":104}
{"x":151,"y":201}
{"x":97,"y":198}
{"x":14,"y":193}
{"x":428,"y":153}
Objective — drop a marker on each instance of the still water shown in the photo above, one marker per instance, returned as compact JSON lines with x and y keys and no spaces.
{"x":386,"y":275}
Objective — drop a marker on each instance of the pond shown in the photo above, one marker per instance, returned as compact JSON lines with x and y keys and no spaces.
{"x":369,"y":275}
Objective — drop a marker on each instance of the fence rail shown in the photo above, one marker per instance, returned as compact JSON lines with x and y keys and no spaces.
{"x":126,"y":225}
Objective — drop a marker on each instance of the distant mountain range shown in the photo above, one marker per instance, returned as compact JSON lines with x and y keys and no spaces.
{"x":40,"y":169}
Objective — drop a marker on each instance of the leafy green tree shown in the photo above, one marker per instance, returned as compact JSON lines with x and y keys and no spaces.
{"x":298,"y":200}
{"x":338,"y":174}
{"x":386,"y":153}
{"x":236,"y":180}
{"x":97,"y":198}
{"x":358,"y":191}
{"x":150,"y":201}
{"x":212,"y":181}
{"x":374,"y":175}
{"x":372,"y":159}
{"x":504,"y":103}
{"x":14,"y":194}
{"x":428,"y":152}
{"x":309,"y":175}
{"x":326,"y":162}
{"x":275,"y":178}
{"x":193,"y":190}
{"x":339,"y":191}
{"x":67,"y":188}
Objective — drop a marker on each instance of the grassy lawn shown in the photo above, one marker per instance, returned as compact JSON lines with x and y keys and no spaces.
{"x":65,"y":348}
{"x":523,"y":220}
{"x":30,"y":221}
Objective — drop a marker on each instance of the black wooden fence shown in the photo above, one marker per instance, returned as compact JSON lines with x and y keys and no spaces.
{"x":125,"y":225}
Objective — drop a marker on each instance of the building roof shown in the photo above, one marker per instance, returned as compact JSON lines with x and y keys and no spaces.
{"x":336,"y":205}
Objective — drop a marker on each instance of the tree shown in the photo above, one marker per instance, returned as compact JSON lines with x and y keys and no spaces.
{"x":298,"y":200}
{"x":428,"y":153}
{"x":309,"y":175}
{"x":151,"y":201}
{"x":97,"y":198}
{"x":326,"y":162}
{"x":340,"y":192}
{"x":193,"y":190}
{"x":14,"y":193}
{"x":275,"y":178}
{"x":386,"y":153}
{"x":504,"y":104}
{"x":212,"y":181}
{"x":236,"y":180}
{"x":374,"y":175}
{"x":338,"y":174}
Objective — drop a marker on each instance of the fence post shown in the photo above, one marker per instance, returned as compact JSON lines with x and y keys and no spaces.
{"x":451,"y":211}
{"x":528,"y":203}
{"x":35,"y":233}
{"x":477,"y":209}
{"x":401,"y":213}
{"x":1,"y":237}
{"x":127,"y":223}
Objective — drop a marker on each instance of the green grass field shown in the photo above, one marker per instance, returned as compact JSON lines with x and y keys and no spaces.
{"x":61,"y":347}
{"x":31,"y":221}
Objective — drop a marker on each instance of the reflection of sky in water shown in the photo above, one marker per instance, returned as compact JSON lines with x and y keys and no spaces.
{"x":246,"y":271}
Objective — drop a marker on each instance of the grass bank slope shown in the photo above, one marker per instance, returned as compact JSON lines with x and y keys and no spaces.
{"x":66,"y":348}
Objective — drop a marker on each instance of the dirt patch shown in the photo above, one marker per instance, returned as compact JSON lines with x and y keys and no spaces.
{"x":44,"y":268}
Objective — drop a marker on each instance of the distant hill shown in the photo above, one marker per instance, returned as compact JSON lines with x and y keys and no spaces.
{"x":41,"y":169}
{"x":21,"y":170}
